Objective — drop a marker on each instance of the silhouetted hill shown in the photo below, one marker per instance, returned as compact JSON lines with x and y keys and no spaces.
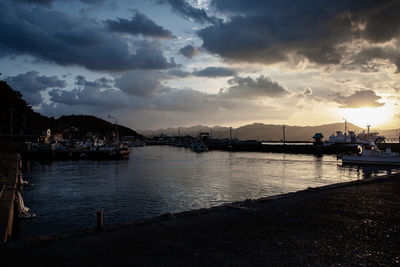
{"x":23,"y":116}
{"x":99,"y":127}
{"x":26,"y":121}
{"x":193,"y":131}
{"x":259,"y":131}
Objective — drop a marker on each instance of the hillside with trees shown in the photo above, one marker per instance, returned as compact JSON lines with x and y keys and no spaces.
{"x":25,"y":121}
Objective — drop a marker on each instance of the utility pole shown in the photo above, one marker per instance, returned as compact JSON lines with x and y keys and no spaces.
{"x":283,"y":132}
{"x":11,"y":120}
{"x":116,"y":126}
{"x":230,"y":134}
{"x":398,"y":136}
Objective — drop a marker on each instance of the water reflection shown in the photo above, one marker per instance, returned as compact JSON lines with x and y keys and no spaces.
{"x":370,"y":170}
{"x":156,"y":180}
{"x":318,"y":166}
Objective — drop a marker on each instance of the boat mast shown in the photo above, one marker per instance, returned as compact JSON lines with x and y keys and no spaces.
{"x":116,"y":127}
{"x":368,"y":126}
{"x":345,"y":130}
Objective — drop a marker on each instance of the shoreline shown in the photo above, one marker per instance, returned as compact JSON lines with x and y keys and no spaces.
{"x":272,"y":220}
{"x":241,"y":204}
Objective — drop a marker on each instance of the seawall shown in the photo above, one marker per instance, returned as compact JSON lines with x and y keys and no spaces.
{"x":10,"y":164}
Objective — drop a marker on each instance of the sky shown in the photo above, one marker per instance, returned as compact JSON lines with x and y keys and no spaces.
{"x":166,"y":63}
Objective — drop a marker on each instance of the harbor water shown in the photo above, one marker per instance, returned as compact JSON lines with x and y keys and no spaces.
{"x":155,"y":180}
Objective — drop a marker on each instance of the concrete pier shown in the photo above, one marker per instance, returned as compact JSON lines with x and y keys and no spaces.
{"x":10,"y":164}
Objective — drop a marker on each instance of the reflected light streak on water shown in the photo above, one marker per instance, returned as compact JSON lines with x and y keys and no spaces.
{"x":161,"y":179}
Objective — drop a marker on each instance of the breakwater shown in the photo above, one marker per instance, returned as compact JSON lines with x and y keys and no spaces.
{"x":293,"y":147}
{"x":10,"y":164}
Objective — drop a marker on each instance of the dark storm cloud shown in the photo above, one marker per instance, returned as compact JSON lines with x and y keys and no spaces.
{"x":214,"y":72}
{"x":188,"y":11}
{"x":178,"y":73}
{"x":364,"y":59}
{"x":362,"y":98}
{"x":210,"y":72}
{"x":139,"y":24}
{"x":273,"y":31}
{"x":97,"y":93}
{"x":48,"y":3}
{"x":383,"y":24}
{"x":92,"y":1}
{"x":101,"y":83}
{"x":57,"y":37}
{"x":246,"y":87}
{"x":140,"y":83}
{"x":238,"y":97}
{"x":40,"y":2}
{"x":94,"y":100}
{"x":143,"y":91}
{"x":110,"y":98}
{"x":189,"y":51}
{"x":182,"y":100}
{"x":30,"y":84}
{"x":192,"y":101}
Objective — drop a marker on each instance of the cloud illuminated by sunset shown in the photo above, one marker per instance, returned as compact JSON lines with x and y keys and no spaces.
{"x":168,"y":63}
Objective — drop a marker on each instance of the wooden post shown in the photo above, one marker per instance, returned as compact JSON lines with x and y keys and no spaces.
{"x":100,"y":220}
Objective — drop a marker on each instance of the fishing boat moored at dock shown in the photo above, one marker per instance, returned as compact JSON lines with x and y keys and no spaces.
{"x":371,"y":154}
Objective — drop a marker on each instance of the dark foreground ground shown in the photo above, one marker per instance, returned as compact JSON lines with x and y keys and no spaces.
{"x":355,"y":224}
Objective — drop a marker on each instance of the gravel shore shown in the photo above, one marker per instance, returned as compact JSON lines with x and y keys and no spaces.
{"x":356,"y":223}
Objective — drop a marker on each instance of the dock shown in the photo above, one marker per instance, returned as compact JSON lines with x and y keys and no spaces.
{"x":10,"y":164}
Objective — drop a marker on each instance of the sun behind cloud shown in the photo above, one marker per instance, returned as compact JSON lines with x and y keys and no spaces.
{"x":367,"y":116}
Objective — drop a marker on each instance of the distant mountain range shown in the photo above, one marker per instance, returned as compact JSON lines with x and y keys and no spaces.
{"x":265,"y":132}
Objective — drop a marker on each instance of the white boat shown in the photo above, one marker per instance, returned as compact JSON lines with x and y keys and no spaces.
{"x":351,"y":137}
{"x":370,"y":154}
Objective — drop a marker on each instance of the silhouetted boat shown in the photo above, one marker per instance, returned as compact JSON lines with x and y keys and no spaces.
{"x":121,"y":152}
{"x":199,"y":147}
{"x":109,"y":152}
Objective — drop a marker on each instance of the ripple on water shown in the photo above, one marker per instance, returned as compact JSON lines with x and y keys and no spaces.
{"x":160,"y":179}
